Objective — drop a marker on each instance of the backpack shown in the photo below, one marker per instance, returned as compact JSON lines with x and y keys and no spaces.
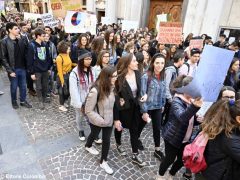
{"x":193,"y":154}
{"x":188,"y":66}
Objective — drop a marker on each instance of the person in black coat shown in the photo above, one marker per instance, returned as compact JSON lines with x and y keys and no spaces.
{"x":178,"y":130}
{"x":127,"y":110}
{"x":222,"y":154}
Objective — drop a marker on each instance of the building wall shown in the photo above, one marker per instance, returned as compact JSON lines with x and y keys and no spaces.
{"x":206,"y":16}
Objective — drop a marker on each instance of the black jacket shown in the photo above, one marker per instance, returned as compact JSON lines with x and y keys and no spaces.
{"x":222,"y":155}
{"x":7,"y":53}
{"x":180,"y":114}
{"x":129,"y":113}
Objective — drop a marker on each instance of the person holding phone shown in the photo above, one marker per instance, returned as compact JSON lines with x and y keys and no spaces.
{"x":153,"y":87}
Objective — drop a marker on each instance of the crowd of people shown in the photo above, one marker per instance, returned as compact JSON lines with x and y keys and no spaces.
{"x":119,"y":80}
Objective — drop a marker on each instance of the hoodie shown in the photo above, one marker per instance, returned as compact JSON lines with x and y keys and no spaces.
{"x":38,"y":58}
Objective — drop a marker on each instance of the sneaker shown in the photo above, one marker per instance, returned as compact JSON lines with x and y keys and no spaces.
{"x":62,"y":108}
{"x":66,"y":105}
{"x":15,"y":105}
{"x":92,"y":150}
{"x":186,"y":177}
{"x":25,"y":104}
{"x":140,"y":145}
{"x":32,"y":92}
{"x":47,"y":100}
{"x":106,"y":167}
{"x":137,"y":160}
{"x":121,"y":151}
{"x":159,"y":155}
{"x":82,"y":136}
{"x":98,"y":141}
{"x":1,"y":93}
{"x":158,"y":177}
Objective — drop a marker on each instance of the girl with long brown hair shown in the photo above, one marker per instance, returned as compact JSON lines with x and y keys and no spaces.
{"x":99,"y":110}
{"x":222,"y":126}
{"x":111,"y":46}
{"x":127,"y":111}
{"x":98,"y":44}
{"x":103,"y":61}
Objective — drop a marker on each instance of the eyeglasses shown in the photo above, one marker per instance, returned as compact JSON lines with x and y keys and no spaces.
{"x":88,"y":58}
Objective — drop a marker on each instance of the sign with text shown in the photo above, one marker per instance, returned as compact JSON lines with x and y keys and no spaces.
{"x":60,"y":7}
{"x":196,"y":43}
{"x":80,"y":22}
{"x":210,"y":75}
{"x":31,"y":16}
{"x":170,"y":33}
{"x":160,"y":18}
{"x":48,"y":20}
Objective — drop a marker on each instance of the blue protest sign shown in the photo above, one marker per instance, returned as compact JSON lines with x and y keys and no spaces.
{"x":210,"y":75}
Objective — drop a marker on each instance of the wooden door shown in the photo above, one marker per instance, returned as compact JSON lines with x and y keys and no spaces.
{"x":172,"y":7}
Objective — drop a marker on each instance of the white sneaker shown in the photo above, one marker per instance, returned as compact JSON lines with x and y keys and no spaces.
{"x":106,"y":167}
{"x":98,"y":141}
{"x":66,"y":105}
{"x":62,"y":108}
{"x":92,"y":150}
{"x":158,"y":177}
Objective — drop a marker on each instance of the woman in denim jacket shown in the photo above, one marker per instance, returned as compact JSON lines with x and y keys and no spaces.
{"x":153,"y":92}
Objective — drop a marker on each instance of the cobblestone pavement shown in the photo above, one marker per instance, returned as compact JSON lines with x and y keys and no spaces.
{"x":73,"y":162}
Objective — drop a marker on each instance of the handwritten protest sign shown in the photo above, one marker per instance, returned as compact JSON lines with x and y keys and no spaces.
{"x":204,"y":108}
{"x":210,"y":75}
{"x":170,"y":33}
{"x":48,"y":20}
{"x":196,"y":43}
{"x":80,"y":22}
{"x":128,"y":25}
{"x":60,"y":7}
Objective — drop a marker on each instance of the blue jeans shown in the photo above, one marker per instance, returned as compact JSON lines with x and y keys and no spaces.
{"x":18,"y":81}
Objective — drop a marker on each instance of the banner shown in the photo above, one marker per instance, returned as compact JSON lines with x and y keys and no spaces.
{"x":31,"y":16}
{"x":210,"y":75}
{"x":60,"y":7}
{"x":48,"y":20}
{"x":128,"y":25}
{"x":170,"y":33}
{"x":196,"y":43}
{"x":80,"y":22}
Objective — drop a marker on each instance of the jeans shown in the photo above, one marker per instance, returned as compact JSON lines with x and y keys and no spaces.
{"x":18,"y":81}
{"x":134,"y":136}
{"x":42,"y":85}
{"x":80,"y":119}
{"x":106,"y":135}
{"x":171,"y":153}
{"x":156,"y":116}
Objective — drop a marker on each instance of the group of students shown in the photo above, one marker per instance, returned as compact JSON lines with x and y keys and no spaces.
{"x":119,"y":80}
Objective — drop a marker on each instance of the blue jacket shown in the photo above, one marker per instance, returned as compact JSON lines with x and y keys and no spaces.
{"x":180,"y":114}
{"x":156,"y":92}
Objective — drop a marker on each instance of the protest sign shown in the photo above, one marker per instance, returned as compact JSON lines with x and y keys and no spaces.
{"x":128,"y":25}
{"x":80,"y":22}
{"x":204,"y":108}
{"x":196,"y":43}
{"x":1,"y":5}
{"x":160,"y":18}
{"x":210,"y":75}
{"x":48,"y":20}
{"x":31,"y":16}
{"x":170,"y":33}
{"x":60,"y":7}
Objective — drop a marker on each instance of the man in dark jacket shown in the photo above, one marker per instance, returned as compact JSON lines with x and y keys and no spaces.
{"x":13,"y":58}
{"x":39,"y":63}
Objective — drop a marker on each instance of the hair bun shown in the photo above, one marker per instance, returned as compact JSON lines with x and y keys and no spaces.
{"x":231,"y":102}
